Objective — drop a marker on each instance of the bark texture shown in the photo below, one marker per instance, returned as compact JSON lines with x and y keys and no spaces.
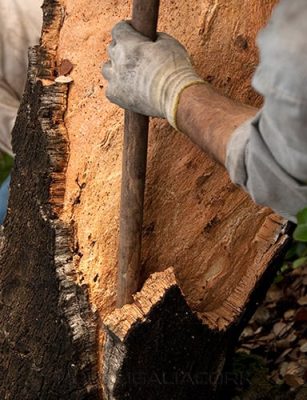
{"x":58,"y":264}
{"x":164,"y":351}
{"x":193,"y":215}
{"x":48,"y":332}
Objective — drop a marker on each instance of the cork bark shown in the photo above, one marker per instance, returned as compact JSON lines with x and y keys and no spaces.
{"x":48,"y":330}
{"x":59,"y":244}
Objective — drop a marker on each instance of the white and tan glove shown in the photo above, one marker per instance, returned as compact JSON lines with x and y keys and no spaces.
{"x":147,"y":77}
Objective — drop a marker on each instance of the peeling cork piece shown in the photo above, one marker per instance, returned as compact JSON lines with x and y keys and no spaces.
{"x":65,"y":67}
{"x":122,"y":320}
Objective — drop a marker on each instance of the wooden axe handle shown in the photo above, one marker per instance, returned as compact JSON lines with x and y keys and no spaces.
{"x":144,"y":19}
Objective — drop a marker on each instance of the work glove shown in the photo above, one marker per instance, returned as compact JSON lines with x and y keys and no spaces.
{"x":147,"y":77}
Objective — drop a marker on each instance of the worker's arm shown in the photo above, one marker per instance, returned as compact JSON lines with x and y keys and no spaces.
{"x":264,"y":153}
{"x":210,"y":119}
{"x":267,"y":155}
{"x":158,"y":79}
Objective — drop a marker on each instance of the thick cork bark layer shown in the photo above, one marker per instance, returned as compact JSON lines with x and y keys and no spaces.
{"x":64,"y":209}
{"x":48,"y":336}
{"x":216,"y":239}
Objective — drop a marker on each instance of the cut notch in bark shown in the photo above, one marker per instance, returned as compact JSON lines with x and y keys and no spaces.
{"x":158,"y":348}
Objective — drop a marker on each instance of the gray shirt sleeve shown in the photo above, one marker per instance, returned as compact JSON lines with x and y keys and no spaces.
{"x":267,"y":155}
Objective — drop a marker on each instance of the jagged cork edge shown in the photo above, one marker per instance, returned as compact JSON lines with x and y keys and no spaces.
{"x":160,"y":333}
{"x":74,"y":298}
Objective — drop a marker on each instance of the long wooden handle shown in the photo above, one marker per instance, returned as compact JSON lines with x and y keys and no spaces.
{"x":144,"y":19}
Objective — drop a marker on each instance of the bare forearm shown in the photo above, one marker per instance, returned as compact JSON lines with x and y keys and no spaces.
{"x":209,"y":118}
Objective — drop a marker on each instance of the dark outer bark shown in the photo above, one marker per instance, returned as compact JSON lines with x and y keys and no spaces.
{"x":144,"y":20}
{"x":171,"y":355}
{"x":47,"y":333}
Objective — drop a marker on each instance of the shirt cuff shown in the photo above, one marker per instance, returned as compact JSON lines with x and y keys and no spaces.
{"x":236,"y":154}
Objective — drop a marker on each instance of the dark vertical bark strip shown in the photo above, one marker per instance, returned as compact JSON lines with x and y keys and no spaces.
{"x":47,"y":332}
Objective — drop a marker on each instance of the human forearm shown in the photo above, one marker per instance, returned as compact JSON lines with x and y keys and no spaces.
{"x":263,"y":153}
{"x":209,"y":118}
{"x":267,"y":156}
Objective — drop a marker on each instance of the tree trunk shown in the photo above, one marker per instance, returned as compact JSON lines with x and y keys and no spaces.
{"x":61,"y":337}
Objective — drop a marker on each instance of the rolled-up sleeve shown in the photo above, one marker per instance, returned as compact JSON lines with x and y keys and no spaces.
{"x":267,"y":156}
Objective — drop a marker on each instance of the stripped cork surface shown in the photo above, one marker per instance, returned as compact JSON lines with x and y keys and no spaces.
{"x":216,"y":239}
{"x":218,"y":242}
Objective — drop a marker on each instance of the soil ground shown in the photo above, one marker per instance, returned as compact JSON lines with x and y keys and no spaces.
{"x":271,"y":361}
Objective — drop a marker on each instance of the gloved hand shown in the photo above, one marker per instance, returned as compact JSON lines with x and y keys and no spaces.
{"x":147,"y":77}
